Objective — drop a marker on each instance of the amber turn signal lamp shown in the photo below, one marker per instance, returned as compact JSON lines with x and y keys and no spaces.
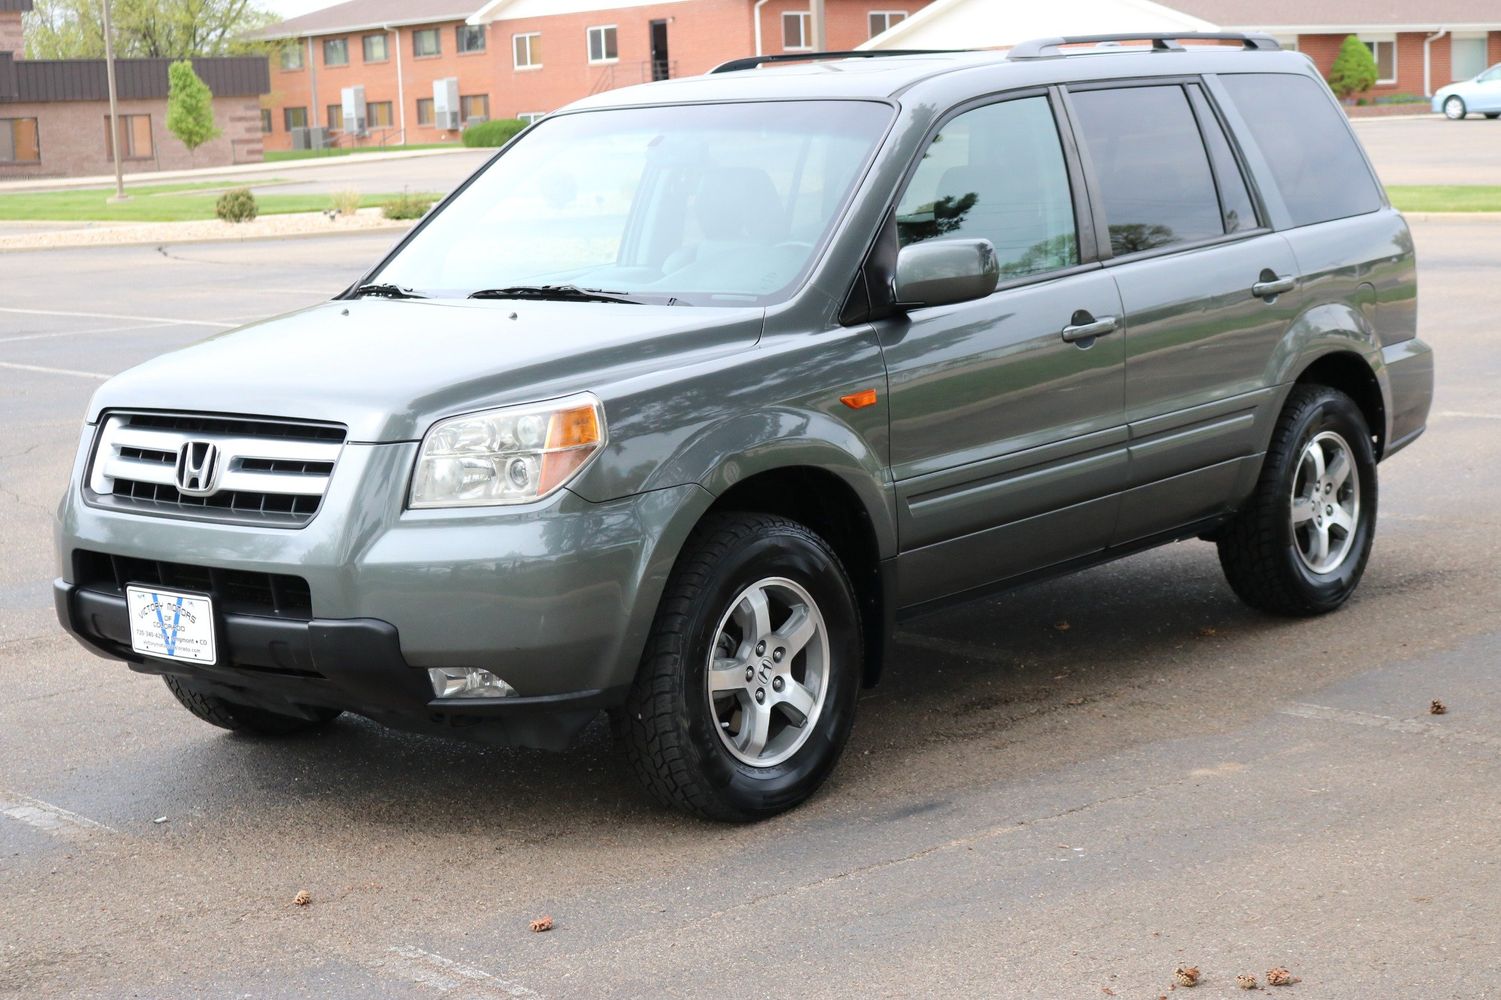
{"x":859,"y":400}
{"x":572,"y":436}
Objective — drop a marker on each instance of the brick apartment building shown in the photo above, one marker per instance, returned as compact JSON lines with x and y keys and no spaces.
{"x":518,"y":58}
{"x":54,"y":114}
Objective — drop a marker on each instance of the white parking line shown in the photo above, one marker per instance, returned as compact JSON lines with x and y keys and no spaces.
{"x":47,"y":817}
{"x":143,"y":319}
{"x":1411,"y":727}
{"x":445,"y":976}
{"x":52,"y":371}
{"x":1468,"y":415}
{"x":83,"y":333}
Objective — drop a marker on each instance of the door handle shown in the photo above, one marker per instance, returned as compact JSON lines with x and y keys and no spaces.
{"x":1270,"y":286}
{"x":1086,"y":327}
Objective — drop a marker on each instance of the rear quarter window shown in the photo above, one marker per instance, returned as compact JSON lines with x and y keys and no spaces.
{"x":1307,"y":144}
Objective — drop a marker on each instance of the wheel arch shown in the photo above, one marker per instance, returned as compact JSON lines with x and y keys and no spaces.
{"x":1353,"y":375}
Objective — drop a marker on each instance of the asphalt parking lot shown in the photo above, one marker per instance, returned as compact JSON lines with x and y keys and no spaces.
{"x":1063,"y":791}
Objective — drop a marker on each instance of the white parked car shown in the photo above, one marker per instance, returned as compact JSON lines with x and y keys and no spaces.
{"x":1481,"y":95}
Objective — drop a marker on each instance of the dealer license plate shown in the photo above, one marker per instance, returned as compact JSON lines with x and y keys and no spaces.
{"x":169,"y":625}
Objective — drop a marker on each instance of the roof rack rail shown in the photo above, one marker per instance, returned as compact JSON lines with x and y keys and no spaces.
{"x":1042,"y":48}
{"x":752,"y":62}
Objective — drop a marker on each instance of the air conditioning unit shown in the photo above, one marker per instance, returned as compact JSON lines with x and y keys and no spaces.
{"x":354,"y":110}
{"x":446,"y":113}
{"x":317,"y":138}
{"x":299,"y":138}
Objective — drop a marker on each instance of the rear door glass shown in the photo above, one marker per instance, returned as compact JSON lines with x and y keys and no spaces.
{"x":1150,"y":165}
{"x":1235,"y":198}
{"x":1308,"y":145}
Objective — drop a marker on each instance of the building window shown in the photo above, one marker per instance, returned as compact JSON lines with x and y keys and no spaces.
{"x":530,"y":116}
{"x":602,"y":46}
{"x":880,"y":20}
{"x":265,"y":121}
{"x":135,"y":138}
{"x":527,"y":50}
{"x":378,"y":114}
{"x":375,"y":48}
{"x":424,"y":111}
{"x":797,"y":30}
{"x":336,"y":52}
{"x":469,"y":37}
{"x":19,"y":142}
{"x":294,"y":118}
{"x":291,"y":57}
{"x":474,"y":106}
{"x":1384,"y":51}
{"x":425,"y":42}
{"x":335,"y":120}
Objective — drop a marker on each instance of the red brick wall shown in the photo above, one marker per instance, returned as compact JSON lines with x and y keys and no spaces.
{"x":1410,"y":80}
{"x":10,"y":32}
{"x":700,"y":35}
{"x":72,"y":137}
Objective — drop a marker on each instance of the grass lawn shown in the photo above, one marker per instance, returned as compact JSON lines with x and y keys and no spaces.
{"x":157,"y":203}
{"x":1446,"y":198}
{"x":276,"y":156}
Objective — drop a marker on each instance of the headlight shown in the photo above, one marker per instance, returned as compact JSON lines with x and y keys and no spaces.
{"x":515,"y":454}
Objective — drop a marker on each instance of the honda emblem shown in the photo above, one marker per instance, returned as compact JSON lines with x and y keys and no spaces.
{"x":197,"y":468}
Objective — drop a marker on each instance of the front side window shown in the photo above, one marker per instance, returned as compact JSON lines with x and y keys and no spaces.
{"x":527,"y":50}
{"x":881,"y":20}
{"x":424,"y":111}
{"x":378,"y":114}
{"x":375,"y":48}
{"x":1151,"y":167}
{"x":336,"y":52}
{"x":797,"y":30}
{"x":721,"y":204}
{"x":425,"y":43}
{"x":291,"y":56}
{"x":469,"y":38}
{"x":1384,"y":51}
{"x":996,"y":173}
{"x":1307,"y":143}
{"x":474,"y":106}
{"x":294,"y":118}
{"x":602,"y":46}
{"x":19,"y":141}
{"x":134,"y":135}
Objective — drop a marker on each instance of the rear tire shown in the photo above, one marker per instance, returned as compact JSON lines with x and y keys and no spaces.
{"x":747,"y":688}
{"x":244,"y":718}
{"x":1284,"y":553}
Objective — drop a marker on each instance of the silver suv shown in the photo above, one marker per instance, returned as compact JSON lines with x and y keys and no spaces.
{"x":676,"y":407}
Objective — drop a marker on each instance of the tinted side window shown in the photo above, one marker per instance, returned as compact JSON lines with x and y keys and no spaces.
{"x":1307,"y":143}
{"x":1151,"y":167}
{"x":1235,"y":199}
{"x":996,"y":173}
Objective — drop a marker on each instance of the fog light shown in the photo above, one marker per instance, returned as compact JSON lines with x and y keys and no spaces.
{"x":468,"y":682}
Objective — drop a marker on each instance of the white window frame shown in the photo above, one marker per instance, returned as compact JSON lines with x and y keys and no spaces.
{"x":1385,"y":39}
{"x":529,"y":64}
{"x":900,"y":16}
{"x":589,"y":44}
{"x":805,"y":18}
{"x":530,"y":116}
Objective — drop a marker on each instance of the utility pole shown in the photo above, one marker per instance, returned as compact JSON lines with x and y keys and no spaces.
{"x":114,"y":110}
{"x":820,"y":36}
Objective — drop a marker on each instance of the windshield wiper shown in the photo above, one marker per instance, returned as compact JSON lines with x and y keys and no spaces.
{"x":385,"y":291}
{"x":552,"y":293}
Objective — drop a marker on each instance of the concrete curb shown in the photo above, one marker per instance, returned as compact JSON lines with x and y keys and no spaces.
{"x":1451,"y":216}
{"x":214,"y":173}
{"x":129,"y":239}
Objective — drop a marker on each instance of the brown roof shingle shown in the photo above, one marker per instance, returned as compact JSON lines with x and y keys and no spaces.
{"x":357,"y":14}
{"x":1342,"y":13}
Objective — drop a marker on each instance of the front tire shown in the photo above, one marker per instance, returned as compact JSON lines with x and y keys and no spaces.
{"x":1492,"y":115}
{"x":747,"y":688}
{"x":1454,"y":109}
{"x":1300,"y":544}
{"x":246,"y":719}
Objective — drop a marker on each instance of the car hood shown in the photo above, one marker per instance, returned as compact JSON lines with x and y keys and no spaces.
{"x":386,"y":368}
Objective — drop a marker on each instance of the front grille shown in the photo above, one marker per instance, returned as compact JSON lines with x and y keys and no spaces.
{"x":237,"y":592}
{"x":265,"y":472}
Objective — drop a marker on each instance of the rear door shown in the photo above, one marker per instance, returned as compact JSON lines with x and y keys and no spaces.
{"x":1208,"y":291}
{"x":1007,"y":436}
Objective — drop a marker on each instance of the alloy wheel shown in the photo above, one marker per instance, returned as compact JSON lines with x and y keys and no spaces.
{"x":1325,"y":503}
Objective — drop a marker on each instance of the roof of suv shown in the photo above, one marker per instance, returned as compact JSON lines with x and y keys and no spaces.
{"x":887,"y":76}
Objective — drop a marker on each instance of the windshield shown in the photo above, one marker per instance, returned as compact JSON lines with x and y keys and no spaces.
{"x":705,"y":204}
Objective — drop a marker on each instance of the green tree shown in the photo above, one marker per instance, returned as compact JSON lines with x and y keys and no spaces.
{"x":190,"y":106}
{"x":170,"y":29}
{"x":1354,"y":69}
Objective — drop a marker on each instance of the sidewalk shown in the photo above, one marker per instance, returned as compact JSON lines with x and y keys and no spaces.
{"x":17,"y":236}
{"x":214,"y":173}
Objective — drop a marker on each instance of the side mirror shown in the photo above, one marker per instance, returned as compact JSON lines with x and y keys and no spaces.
{"x":947,"y":271}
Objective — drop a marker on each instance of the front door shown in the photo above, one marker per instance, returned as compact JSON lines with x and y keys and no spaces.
{"x":1007,"y":436}
{"x":661,"y":67}
{"x":1208,"y":293}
